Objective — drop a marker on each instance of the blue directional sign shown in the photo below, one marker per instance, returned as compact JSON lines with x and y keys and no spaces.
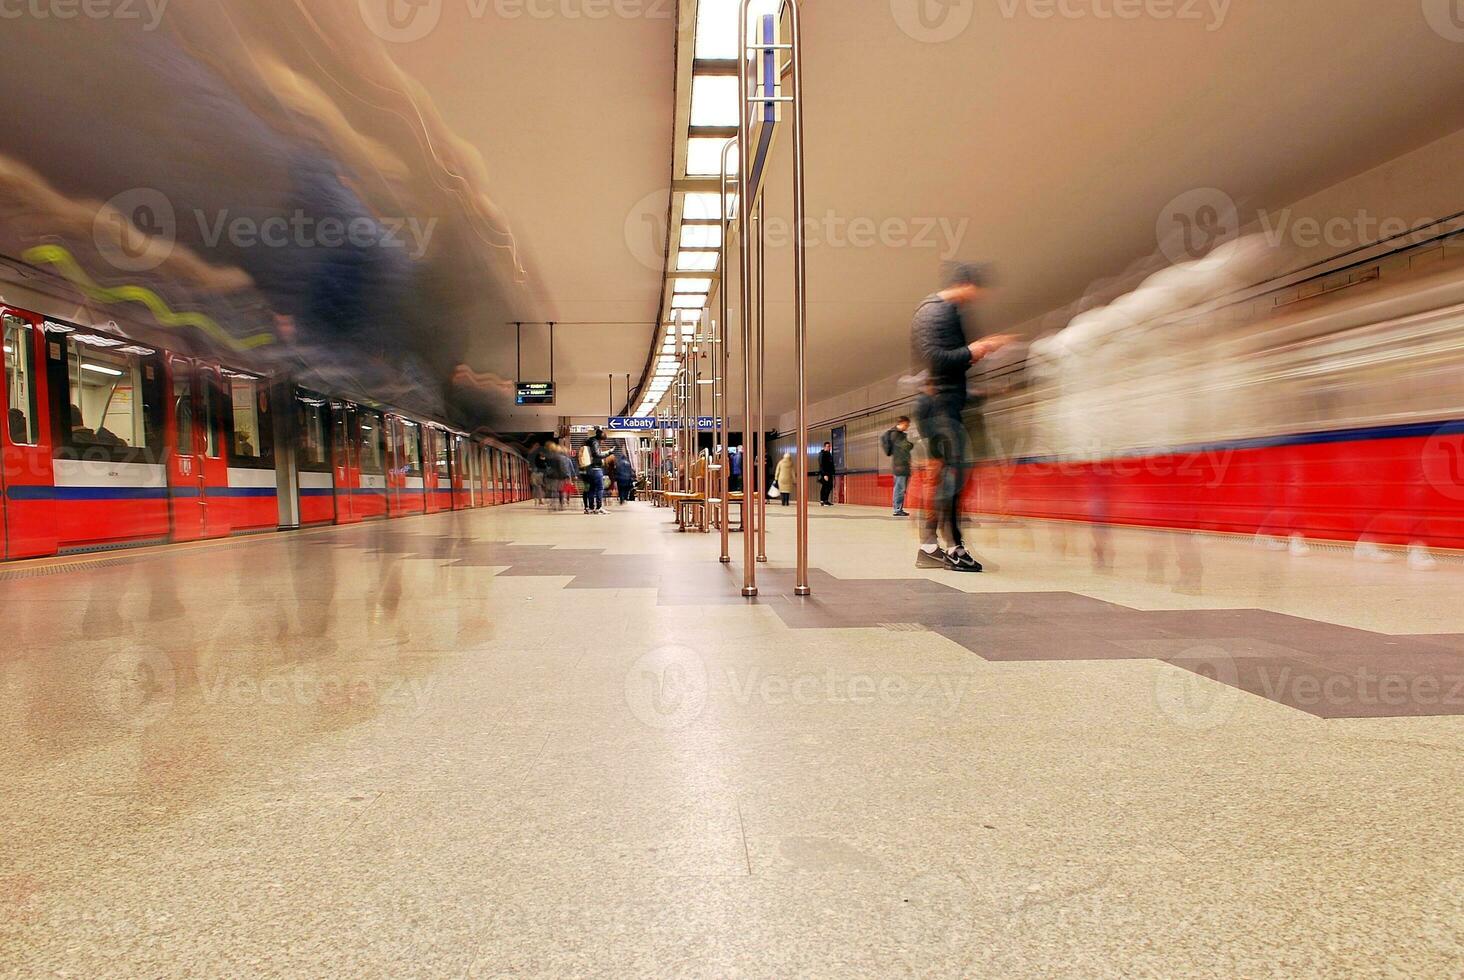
{"x":622,"y":423}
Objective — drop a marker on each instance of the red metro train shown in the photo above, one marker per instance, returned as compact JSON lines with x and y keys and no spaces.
{"x":110,"y":443}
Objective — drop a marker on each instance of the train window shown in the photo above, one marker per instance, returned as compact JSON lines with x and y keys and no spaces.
{"x":244,"y":394}
{"x":312,"y":433}
{"x":372,"y":435}
{"x":411,"y":449}
{"x":183,"y":409}
{"x":106,"y":395}
{"x":20,"y":387}
{"x":211,"y":416}
{"x":444,"y":472}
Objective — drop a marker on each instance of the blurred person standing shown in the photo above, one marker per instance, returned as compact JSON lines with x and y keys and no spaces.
{"x":786,"y":478}
{"x":538,"y":472}
{"x":598,"y":452}
{"x":898,"y":447}
{"x":940,"y":348}
{"x":734,"y":460}
{"x":625,"y":479}
{"x":827,"y":470}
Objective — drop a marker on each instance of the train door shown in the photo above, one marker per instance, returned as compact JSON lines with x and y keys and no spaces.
{"x":373,"y":453}
{"x":27,"y":476}
{"x":395,"y":471}
{"x":186,"y":505}
{"x":437,"y":474}
{"x":411,"y":493}
{"x":345,"y":467}
{"x":210,"y":400}
{"x":480,"y":496}
{"x":314,"y":462}
{"x":462,"y":469}
{"x":462,"y":480}
{"x":253,"y":484}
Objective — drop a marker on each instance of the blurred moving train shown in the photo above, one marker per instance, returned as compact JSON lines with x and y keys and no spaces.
{"x":109,"y":442}
{"x":1330,"y":408}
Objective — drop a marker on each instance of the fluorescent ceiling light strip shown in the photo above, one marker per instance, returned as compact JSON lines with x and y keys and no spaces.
{"x":701,"y":236}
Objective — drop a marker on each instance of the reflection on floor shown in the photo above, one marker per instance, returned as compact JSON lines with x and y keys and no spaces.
{"x":517,"y":742}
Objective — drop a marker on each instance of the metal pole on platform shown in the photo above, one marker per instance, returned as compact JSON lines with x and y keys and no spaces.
{"x":744,"y":247}
{"x":764,"y":50}
{"x":762,"y":369}
{"x":724,"y":407}
{"x":800,"y":289}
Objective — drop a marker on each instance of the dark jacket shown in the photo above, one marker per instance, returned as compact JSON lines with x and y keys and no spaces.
{"x":624,"y":472}
{"x":598,"y":452}
{"x":826,"y":466}
{"x":899,"y":449}
{"x":939,"y":346}
{"x":539,"y":459}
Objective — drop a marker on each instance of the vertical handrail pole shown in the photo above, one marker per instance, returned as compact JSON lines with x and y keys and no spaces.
{"x":723,"y":408}
{"x":744,"y":246}
{"x":762,"y":365}
{"x":800,"y":288}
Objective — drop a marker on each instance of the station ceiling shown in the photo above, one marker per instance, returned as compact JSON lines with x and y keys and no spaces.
{"x":1048,"y":138}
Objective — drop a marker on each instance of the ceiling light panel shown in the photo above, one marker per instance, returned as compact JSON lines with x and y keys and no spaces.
{"x":704,"y":157}
{"x":714,"y":100}
{"x":696,"y":261}
{"x":701,"y":236}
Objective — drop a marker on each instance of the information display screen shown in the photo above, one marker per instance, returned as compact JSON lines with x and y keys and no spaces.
{"x":535,"y":393}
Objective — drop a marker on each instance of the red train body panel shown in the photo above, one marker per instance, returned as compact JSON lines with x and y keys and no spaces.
{"x":109,"y":442}
{"x":1392,"y":485}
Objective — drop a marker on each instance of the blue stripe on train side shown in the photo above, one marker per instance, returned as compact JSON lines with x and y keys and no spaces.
{"x":95,"y":494}
{"x":85,"y":494}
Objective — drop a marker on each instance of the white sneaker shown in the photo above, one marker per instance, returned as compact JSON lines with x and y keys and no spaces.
{"x":1298,"y":547}
{"x":1368,"y":551}
{"x":1420,"y":560}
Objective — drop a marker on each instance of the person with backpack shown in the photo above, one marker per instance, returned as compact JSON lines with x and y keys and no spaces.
{"x":898,"y":447}
{"x":592,"y":463}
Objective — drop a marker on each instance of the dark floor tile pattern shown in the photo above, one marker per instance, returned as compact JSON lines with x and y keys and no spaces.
{"x":1325,"y":670}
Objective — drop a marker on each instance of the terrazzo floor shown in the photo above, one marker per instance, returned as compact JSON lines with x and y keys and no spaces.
{"x":524,"y":743}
